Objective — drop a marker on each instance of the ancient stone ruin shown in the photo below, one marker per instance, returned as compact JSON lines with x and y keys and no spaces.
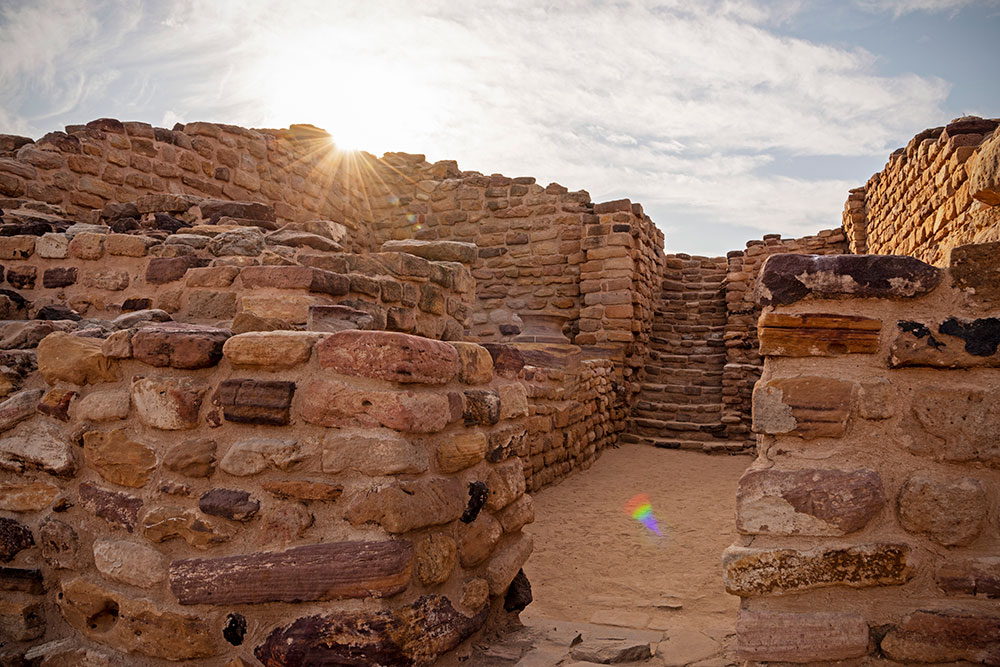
{"x":267,"y":402}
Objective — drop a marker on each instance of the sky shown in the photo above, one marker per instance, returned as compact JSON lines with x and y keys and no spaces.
{"x":726,"y":119}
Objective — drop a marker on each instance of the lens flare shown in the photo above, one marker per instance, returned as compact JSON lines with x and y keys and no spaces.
{"x":640,"y":509}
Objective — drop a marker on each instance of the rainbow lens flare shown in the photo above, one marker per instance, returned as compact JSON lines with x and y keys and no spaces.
{"x":640,"y":509}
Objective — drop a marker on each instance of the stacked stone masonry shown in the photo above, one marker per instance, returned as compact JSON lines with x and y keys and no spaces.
{"x":869,"y":520}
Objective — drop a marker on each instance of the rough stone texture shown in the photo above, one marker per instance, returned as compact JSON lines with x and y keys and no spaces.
{"x":817,"y":335}
{"x":193,"y":457}
{"x":178,"y":345}
{"x":389,"y":356}
{"x":229,"y":504}
{"x":437,"y":251}
{"x":170,"y":404}
{"x":970,"y":576}
{"x":461,"y":451}
{"x":405,"y":506}
{"x":270,"y":349}
{"x":304,"y":491}
{"x":134,"y":625}
{"x":507,"y":562}
{"x":949,"y":510}
{"x":66,"y":358}
{"x":26,"y":496}
{"x":15,"y":537}
{"x":801,"y":637}
{"x":164,"y":523}
{"x":434,"y":559}
{"x":809,"y":407}
{"x":788,"y":278}
{"x":975,"y":270}
{"x":116,"y":508}
{"x":945,"y":636}
{"x":117,"y":458}
{"x":984,"y":180}
{"x":257,"y":401}
{"x":749,"y":572}
{"x":60,"y":545}
{"x":413,"y":635}
{"x":103,"y":406}
{"x":506,"y":484}
{"x":339,"y":404}
{"x":130,"y":563}
{"x":475,"y":365}
{"x":19,"y":407}
{"x":255,"y":455}
{"x":952,"y":343}
{"x":37,"y":447}
{"x":328,"y":571}
{"x":373,"y":452}
{"x":813,"y":501}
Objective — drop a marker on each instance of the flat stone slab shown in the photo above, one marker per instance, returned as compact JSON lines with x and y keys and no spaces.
{"x":436,"y":251}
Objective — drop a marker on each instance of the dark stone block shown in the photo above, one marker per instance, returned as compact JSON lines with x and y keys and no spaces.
{"x":59,"y":277}
{"x":179,"y":345}
{"x":229,"y":504}
{"x":15,"y":537}
{"x":257,"y":401}
{"x":24,"y":580}
{"x":482,"y":407}
{"x":478,"y":494}
{"x":168,"y":269}
{"x":136,"y":303}
{"x":519,"y":594}
{"x":57,"y":312}
{"x":114,"y":507}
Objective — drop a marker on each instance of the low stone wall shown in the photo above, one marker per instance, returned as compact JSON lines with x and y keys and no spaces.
{"x":869,"y":520}
{"x":174,"y":493}
{"x":939,"y":192}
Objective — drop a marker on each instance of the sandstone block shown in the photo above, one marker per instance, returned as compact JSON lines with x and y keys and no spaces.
{"x":475,"y":593}
{"x":482,"y":407}
{"x":169,"y":404}
{"x":460,"y":451}
{"x":809,"y":407}
{"x":37,"y":447}
{"x":414,"y":635}
{"x":60,"y":544}
{"x":953,"y":343}
{"x":404,"y":506}
{"x":970,"y":576}
{"x":478,"y":540}
{"x":518,"y":514}
{"x":134,"y":626}
{"x":52,"y":246}
{"x":956,"y":425}
{"x":66,"y":358}
{"x":338,"y":318}
{"x":19,"y":335}
{"x":269,"y":349}
{"x":211,"y":276}
{"x":506,"y":484}
{"x":255,"y":455}
{"x":513,"y":400}
{"x":59,"y":277}
{"x":102,"y":406}
{"x":787,"y":278}
{"x":335,"y":403}
{"x":162,"y":270}
{"x":130,"y":563}
{"x":15,"y":537}
{"x":19,"y":407}
{"x":328,"y":571}
{"x":17,"y":247}
{"x":475,"y":363}
{"x":179,"y":345}
{"x":21,"y":621}
{"x":291,"y":308}
{"x":194,"y":457}
{"x":296,"y":278}
{"x":435,"y":251}
{"x":434,"y":558}
{"x":116,"y":508}
{"x":230,"y":504}
{"x":127,"y":245}
{"x":807,"y":502}
{"x":211,"y":305}
{"x":257,"y":401}
{"x":950,"y":511}
{"x":303,"y":490}
{"x":800,"y":637}
{"x":975,"y":270}
{"x":944,"y":636}
{"x":984,"y":179}
{"x":507,"y":562}
{"x":163,"y":523}
{"x":816,"y":334}
{"x":385,"y":355}
{"x":371,"y":451}
{"x":117,"y":458}
{"x":26,"y":496}
{"x":55,"y":403}
{"x":505,"y":441}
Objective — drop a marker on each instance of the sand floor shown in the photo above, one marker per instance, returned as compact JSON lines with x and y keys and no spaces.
{"x":594,"y":563}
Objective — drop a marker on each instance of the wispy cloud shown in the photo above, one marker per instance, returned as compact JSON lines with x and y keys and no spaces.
{"x":901,"y":7}
{"x":677,"y":104}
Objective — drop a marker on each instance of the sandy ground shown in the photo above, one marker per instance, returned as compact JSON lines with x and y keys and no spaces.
{"x":594,"y":563}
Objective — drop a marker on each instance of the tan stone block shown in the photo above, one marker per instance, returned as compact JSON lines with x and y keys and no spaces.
{"x":513,"y":400}
{"x":507,"y":561}
{"x":506,"y":484}
{"x":101,"y":406}
{"x":130,"y":563}
{"x":371,"y":451}
{"x":800,"y":637}
{"x":127,"y":245}
{"x":333,"y":403}
{"x":475,"y":363}
{"x":117,"y":458}
{"x":949,"y":510}
{"x":293,"y":308}
{"x":62,"y":357}
{"x":809,"y":407}
{"x":817,"y":335}
{"x":26,"y":496}
{"x":410,"y":505}
{"x":458,"y":451}
{"x":478,"y":540}
{"x":434,"y":558}
{"x":270,"y":349}
{"x":87,"y":245}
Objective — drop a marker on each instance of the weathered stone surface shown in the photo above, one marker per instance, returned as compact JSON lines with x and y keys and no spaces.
{"x":242,"y":241}
{"x":513,"y":400}
{"x":214,"y":209}
{"x":506,"y":484}
{"x":60,"y":544}
{"x":231,"y":504}
{"x":435,"y":251}
{"x":609,"y":651}
{"x":179,"y":345}
{"x":975,"y":269}
{"x":211,"y":276}
{"x":809,"y":407}
{"x":194,"y":457}
{"x":388,"y":355}
{"x":103,"y":406}
{"x":478,"y":539}
{"x":475,"y":593}
{"x":505,"y":441}
{"x":414,"y":635}
{"x":807,"y":502}
{"x":288,"y":308}
{"x":269,"y":349}
{"x":970,"y":576}
{"x":434,"y":558}
{"x":482,"y":407}
{"x":37,"y":447}
{"x":475,"y":365}
{"x":338,"y":318}
{"x":335,"y":403}
{"x":19,"y":335}
{"x":211,"y":305}
{"x":408,"y":505}
{"x":749,"y":572}
{"x":117,"y":458}
{"x":949,"y":510}
{"x":507,"y":562}
{"x":956,"y":425}
{"x":817,"y":335}
{"x":984,"y":179}
{"x":507,"y":359}
{"x":303,"y":490}
{"x":372,"y":452}
{"x":245,"y":322}
{"x":255,"y":455}
{"x":168,"y":269}
{"x":787,"y":278}
{"x":953,"y":343}
{"x":461,"y":450}
{"x":295,"y":277}
{"x":24,"y":580}
{"x":114,"y":507}
{"x":66,"y":358}
{"x":26,"y":496}
{"x":163,"y":523}
{"x":169,"y":404}
{"x":135,"y":626}
{"x":945,"y":636}
{"x":296,"y":239}
{"x":140,"y":317}
{"x":21,"y":621}
{"x":130,"y":563}
{"x":257,"y":401}
{"x":519,"y":513}
{"x":801,"y":638}
{"x":15,"y":537}
{"x":328,"y":571}
{"x":19,"y":407}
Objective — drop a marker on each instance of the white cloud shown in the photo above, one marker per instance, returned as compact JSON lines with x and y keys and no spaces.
{"x":901,"y":7}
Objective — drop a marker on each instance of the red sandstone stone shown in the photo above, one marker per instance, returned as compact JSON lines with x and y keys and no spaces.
{"x":334,"y":403}
{"x":178,"y":345}
{"x":387,"y":355}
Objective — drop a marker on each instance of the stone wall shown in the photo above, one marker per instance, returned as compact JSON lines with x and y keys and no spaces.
{"x":869,"y":520}
{"x":938,"y":192}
